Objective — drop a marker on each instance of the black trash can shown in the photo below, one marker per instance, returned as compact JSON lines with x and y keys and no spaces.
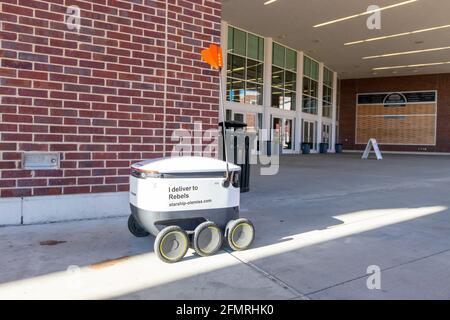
{"x":339,"y":148}
{"x":324,"y":148}
{"x":245,"y":167}
{"x":306,"y":148}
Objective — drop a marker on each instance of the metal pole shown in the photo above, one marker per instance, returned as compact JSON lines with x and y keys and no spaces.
{"x":224,"y":130}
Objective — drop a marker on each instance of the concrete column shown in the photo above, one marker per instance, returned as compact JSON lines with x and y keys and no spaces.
{"x":299,"y":102}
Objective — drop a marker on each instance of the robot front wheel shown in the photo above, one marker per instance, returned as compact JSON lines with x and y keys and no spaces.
{"x":240,"y":234}
{"x":171,"y":244}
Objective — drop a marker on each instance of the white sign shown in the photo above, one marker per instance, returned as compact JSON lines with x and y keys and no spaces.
{"x":372,"y":143}
{"x":169,"y":195}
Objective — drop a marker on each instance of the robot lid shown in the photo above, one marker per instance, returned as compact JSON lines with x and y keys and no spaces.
{"x":183,"y":165}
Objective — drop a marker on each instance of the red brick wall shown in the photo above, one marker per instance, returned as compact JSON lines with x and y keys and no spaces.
{"x":101,"y":97}
{"x":350,"y":88}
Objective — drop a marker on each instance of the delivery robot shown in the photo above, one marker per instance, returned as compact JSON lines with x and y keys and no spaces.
{"x":189,"y":201}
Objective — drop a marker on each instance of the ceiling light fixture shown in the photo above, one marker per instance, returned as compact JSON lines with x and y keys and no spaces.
{"x":398,"y":35}
{"x":406,"y":53}
{"x":269,"y":2}
{"x":365,"y":13}
{"x":413,"y":66}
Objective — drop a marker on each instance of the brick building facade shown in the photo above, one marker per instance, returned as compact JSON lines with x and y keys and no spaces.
{"x":436,"y":82}
{"x":105,"y":96}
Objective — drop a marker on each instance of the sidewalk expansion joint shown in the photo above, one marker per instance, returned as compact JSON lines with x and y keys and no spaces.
{"x":297,"y":294}
{"x":382,"y":270}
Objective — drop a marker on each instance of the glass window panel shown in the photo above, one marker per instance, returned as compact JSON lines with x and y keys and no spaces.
{"x":326,"y":110}
{"x":230,"y":38}
{"x":261,"y":49}
{"x":229,"y":115}
{"x":306,"y":86}
{"x":314,"y":70}
{"x":255,"y":70}
{"x":253,"y":94}
{"x":291,"y":60}
{"x":314,"y":89}
{"x":289,"y":100}
{"x":278,"y":55}
{"x":277,"y":77}
{"x":314,"y":104}
{"x":306,"y":104}
{"x":288,"y":134}
{"x":229,"y":88}
{"x":239,"y":42}
{"x":260,"y":120}
{"x":250,"y":120}
{"x":309,"y":105}
{"x":307,"y":67}
{"x":237,"y":67}
{"x":328,"y":77}
{"x":327,"y":94}
{"x":237,"y":92}
{"x":277,"y":97}
{"x":260,"y":94}
{"x":239,"y":117}
{"x":252,"y":46}
{"x":290,"y":81}
{"x":229,"y":64}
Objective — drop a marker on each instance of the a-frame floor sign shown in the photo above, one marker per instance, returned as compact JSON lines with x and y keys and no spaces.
{"x":372,"y":144}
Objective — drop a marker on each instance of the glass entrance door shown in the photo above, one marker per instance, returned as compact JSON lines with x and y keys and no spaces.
{"x":283,"y":130}
{"x":310,"y":134}
{"x":326,"y":134}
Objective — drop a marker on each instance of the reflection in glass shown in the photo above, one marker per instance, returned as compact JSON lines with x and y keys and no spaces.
{"x":287,"y":139}
{"x":255,"y":71}
{"x":306,"y":86}
{"x":236,"y":91}
{"x":251,"y":122}
{"x":239,"y":117}
{"x":314,"y":89}
{"x":277,"y":97}
{"x":309,"y":105}
{"x":291,"y":81}
{"x":253,"y":94}
{"x":236,"y":67}
{"x":277,"y":77}
{"x":289,"y":100}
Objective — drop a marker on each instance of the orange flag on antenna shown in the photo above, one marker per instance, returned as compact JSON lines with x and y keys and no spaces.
{"x":213,"y":56}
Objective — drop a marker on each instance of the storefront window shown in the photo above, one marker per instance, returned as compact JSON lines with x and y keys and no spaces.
{"x":310,"y":86}
{"x":327,"y":92}
{"x":284,"y":78}
{"x":245,"y":69}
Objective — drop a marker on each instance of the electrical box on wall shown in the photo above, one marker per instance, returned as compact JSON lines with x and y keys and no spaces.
{"x":40,"y":161}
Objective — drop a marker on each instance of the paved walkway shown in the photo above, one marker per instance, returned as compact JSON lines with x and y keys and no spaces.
{"x":321,"y":222}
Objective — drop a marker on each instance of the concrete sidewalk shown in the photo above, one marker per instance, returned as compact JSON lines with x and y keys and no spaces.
{"x":321,"y":222}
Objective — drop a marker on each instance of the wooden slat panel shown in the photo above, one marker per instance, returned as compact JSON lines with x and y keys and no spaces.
{"x":410,"y":130}
{"x":377,"y":109}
